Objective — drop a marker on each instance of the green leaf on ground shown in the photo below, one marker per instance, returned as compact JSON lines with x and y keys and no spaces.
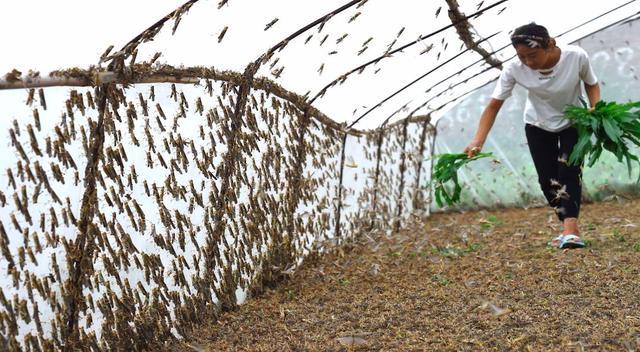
{"x":441,"y":280}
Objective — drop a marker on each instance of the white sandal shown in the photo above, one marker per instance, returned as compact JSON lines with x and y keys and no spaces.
{"x":567,"y":241}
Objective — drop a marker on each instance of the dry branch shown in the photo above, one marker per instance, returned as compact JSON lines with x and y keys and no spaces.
{"x":168,"y":74}
{"x":343,"y":77}
{"x":463,"y":27}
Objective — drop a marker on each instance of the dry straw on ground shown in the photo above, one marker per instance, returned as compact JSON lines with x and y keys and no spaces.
{"x":475,"y":281}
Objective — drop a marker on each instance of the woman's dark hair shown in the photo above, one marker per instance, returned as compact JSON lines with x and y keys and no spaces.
{"x":532,"y":35}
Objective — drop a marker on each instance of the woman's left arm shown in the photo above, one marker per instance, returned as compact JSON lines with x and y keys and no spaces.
{"x":593,"y":92}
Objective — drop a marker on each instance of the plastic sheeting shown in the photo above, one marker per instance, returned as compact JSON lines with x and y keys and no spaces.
{"x":513,"y":182}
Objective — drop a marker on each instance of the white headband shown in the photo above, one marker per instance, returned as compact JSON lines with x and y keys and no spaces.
{"x":532,"y":41}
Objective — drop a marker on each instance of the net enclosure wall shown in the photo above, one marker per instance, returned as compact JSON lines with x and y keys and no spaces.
{"x":130,"y":224}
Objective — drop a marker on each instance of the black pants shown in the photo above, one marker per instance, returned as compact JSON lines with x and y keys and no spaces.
{"x":560,"y":182}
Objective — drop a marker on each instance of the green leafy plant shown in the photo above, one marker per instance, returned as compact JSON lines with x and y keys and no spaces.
{"x":446,"y":251}
{"x":472,"y":247}
{"x":618,"y":236}
{"x":290,"y":295}
{"x":442,"y":280}
{"x":490,"y":222}
{"x":608,"y":126}
{"x":445,"y":176}
{"x":451,"y":252}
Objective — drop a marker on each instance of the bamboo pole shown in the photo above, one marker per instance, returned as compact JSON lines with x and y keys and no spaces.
{"x":341,"y":178}
{"x":76,"y":77}
{"x":403,"y":158}
{"x":374,"y":201}
{"x":418,"y":197}
{"x":88,"y":80}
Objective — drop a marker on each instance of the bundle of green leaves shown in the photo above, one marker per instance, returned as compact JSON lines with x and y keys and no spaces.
{"x":608,"y":126}
{"x":445,"y":176}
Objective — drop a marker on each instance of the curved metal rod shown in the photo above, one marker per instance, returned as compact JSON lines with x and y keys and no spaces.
{"x":597,"y":17}
{"x":455,"y":85}
{"x":416,"y":81}
{"x":300,"y":31}
{"x":388,"y":54}
{"x":392,"y":115}
{"x":464,"y":69}
{"x":462,"y":95}
{"x":148,"y":33}
{"x":152,"y":30}
{"x":508,"y":45}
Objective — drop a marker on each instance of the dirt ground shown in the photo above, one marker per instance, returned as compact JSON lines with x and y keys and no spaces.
{"x":472,"y":281}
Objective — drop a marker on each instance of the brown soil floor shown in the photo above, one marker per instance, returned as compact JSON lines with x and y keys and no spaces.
{"x":472,"y":281}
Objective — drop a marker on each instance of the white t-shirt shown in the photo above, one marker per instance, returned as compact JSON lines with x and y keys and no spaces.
{"x":548,"y":95}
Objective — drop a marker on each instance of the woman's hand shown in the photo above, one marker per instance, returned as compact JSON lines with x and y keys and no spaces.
{"x":486,"y":121}
{"x":473,"y":148}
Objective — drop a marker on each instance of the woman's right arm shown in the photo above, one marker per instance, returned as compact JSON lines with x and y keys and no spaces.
{"x":486,"y":122}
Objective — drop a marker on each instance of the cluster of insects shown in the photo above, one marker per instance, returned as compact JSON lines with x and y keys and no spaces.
{"x":187,"y":202}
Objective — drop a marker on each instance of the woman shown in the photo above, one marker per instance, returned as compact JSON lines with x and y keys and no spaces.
{"x":552,"y":77}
